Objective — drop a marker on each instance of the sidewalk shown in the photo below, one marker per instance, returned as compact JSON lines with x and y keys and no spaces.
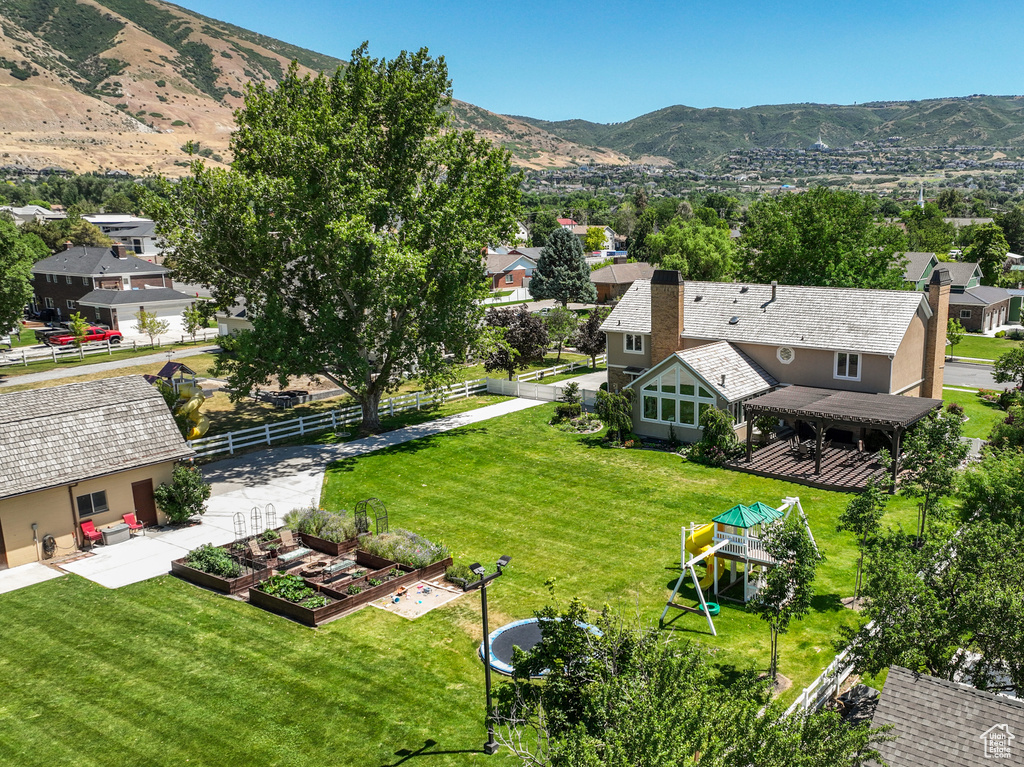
{"x":84,"y":369}
{"x":285,"y":477}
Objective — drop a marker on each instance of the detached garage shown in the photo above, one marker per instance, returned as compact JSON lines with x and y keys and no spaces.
{"x":117,"y":308}
{"x":92,"y":450}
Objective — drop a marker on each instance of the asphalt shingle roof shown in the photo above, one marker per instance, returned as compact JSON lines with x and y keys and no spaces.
{"x":617,"y":274}
{"x":743,"y":376}
{"x":64,"y":434}
{"x":95,"y":262}
{"x":132,"y":297}
{"x":916,"y":264}
{"x":852,"y":319}
{"x":960,"y":272}
{"x":496,"y":263}
{"x":983,"y":295}
{"x":942,"y":724}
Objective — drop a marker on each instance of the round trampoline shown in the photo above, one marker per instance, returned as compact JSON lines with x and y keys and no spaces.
{"x":524,"y":634}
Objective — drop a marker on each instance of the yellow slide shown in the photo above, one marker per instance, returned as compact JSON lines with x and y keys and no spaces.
{"x":192,"y":399}
{"x":699,"y":541}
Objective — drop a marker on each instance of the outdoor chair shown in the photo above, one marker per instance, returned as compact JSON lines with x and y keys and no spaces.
{"x":290,"y":550}
{"x":256,"y":554}
{"x":803,"y":450}
{"x":90,"y":532}
{"x":134,"y":526}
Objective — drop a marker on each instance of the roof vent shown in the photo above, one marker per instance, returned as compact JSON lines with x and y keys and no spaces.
{"x":723,"y":379}
{"x":734,"y":320}
{"x":744,"y":289}
{"x":697,"y":298}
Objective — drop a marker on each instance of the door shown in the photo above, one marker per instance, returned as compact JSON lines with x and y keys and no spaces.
{"x":145,"y":506}
{"x":3,"y":550}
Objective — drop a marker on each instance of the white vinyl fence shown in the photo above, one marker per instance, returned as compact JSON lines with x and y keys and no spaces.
{"x":827,"y":685}
{"x":24,"y":355}
{"x":331,"y":420}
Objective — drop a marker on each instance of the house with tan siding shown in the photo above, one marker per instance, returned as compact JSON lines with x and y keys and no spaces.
{"x":684,"y":346}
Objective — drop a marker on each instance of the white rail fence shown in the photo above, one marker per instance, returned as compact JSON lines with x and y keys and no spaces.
{"x":25,"y":355}
{"x":331,"y":420}
{"x":827,"y":685}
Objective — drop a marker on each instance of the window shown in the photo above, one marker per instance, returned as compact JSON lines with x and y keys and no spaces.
{"x":47,"y":277}
{"x":847,"y":366}
{"x":509,"y":278}
{"x":137,"y":246}
{"x":634,"y":343}
{"x":92,"y":503}
{"x":85,"y":281}
{"x":675,"y":397}
{"x":68,"y":278}
{"x":70,"y":304}
{"x":965,"y":314}
{"x":49,"y":302}
{"x":785,"y":354}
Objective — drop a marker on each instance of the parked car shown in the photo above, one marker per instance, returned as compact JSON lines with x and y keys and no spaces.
{"x":92,"y":333}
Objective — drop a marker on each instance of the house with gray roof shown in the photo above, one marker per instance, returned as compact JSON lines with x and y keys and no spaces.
{"x":90,"y":450}
{"x":919,"y":268}
{"x":615,"y":279}
{"x":510,"y":270}
{"x":139,"y":237}
{"x":873,"y":341}
{"x":981,"y":308}
{"x":944,"y":724}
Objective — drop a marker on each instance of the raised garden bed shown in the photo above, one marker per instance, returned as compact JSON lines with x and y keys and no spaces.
{"x":216,"y":582}
{"x":324,"y":546}
{"x":343,"y":602}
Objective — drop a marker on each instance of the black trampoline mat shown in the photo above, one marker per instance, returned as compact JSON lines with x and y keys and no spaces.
{"x":523,"y":636}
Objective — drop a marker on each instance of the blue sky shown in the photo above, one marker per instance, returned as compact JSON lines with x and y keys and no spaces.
{"x":611,"y":61}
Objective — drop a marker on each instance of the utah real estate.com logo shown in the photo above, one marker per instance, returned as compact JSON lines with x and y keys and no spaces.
{"x":997,"y":739}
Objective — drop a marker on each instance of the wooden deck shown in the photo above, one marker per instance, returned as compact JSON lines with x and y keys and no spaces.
{"x":841,"y":469}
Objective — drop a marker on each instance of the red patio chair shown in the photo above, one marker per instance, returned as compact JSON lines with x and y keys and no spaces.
{"x":90,"y":532}
{"x":133,"y":524}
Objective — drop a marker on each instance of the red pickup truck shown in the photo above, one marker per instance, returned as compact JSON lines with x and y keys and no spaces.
{"x":93,"y":333}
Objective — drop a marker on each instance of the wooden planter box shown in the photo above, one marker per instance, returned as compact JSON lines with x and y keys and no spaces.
{"x":344,"y":602}
{"x":217,"y":582}
{"x":328,"y":547}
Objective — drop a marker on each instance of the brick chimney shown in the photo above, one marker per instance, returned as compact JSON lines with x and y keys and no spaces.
{"x":935,"y":341}
{"x":120,"y":250}
{"x":619,"y":259}
{"x":666,"y":314}
{"x":68,"y":245}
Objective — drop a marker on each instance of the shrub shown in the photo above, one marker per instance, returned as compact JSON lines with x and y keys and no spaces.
{"x":1000,"y":334}
{"x":335,"y":526}
{"x":406,"y":548}
{"x":186,"y":496}
{"x":566,"y":411}
{"x":459,"y":572}
{"x":956,"y":408}
{"x":718,"y":442}
{"x":269,"y":535}
{"x":571,"y":393}
{"x":213,"y":560}
{"x":1016,"y":335}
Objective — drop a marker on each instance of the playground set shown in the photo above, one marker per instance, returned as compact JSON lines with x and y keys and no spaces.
{"x":190,"y":395}
{"x":731,"y":541}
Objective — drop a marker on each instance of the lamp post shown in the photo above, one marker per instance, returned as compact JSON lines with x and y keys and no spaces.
{"x":491,"y":746}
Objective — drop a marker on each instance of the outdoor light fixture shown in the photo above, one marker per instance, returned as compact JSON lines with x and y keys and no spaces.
{"x":491,"y":746}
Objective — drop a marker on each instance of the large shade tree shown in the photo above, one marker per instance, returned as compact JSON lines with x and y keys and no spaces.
{"x":351,"y":220}
{"x":15,"y":270}
{"x":562,"y":272}
{"x":820,"y":237}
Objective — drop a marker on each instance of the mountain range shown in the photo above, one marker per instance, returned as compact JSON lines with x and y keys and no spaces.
{"x":124,"y":84}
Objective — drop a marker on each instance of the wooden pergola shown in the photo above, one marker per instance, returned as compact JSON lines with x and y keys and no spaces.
{"x":823,"y":409}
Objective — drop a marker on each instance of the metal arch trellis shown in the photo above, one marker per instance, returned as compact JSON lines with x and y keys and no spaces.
{"x":362,"y":524}
{"x":380,"y":515}
{"x":239,"y":520}
{"x":257,"y":520}
{"x":271,"y":516}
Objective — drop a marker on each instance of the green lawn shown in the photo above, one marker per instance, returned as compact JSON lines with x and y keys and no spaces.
{"x":163,"y":672}
{"x":982,"y":415}
{"x":982,"y":347}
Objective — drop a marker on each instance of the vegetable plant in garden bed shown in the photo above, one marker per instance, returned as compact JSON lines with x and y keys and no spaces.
{"x":406,"y":548}
{"x":217,"y":568}
{"x":330,"y":532}
{"x":213,"y":560}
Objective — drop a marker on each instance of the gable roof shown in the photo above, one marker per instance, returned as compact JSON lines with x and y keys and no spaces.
{"x":566,"y":222}
{"x":851,"y":319}
{"x":533,"y":253}
{"x":939,"y":723}
{"x":496,"y":263}
{"x":960,"y":221}
{"x":742,"y":376}
{"x":961,"y":272}
{"x":618,"y":274}
{"x":95,"y":262}
{"x":917,"y":263}
{"x":79,"y":431}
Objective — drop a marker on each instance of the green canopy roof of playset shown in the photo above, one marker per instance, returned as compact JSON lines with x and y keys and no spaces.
{"x":748,"y":516}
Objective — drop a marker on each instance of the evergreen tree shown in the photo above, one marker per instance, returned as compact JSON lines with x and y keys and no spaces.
{"x":562,"y":272}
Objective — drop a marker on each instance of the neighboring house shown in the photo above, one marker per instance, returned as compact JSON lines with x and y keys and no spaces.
{"x":981,"y":308}
{"x":26,"y":213}
{"x":945,"y":724}
{"x":139,"y":238}
{"x":110,"y":221}
{"x":566,"y":223}
{"x":234,"y":320}
{"x":964,"y":274}
{"x":89,"y":450}
{"x":117,"y":308}
{"x":614,"y":280}
{"x":961,"y":222}
{"x":609,"y":235}
{"x":875,"y":341}
{"x":919,"y":268}
{"x":506,"y":271}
